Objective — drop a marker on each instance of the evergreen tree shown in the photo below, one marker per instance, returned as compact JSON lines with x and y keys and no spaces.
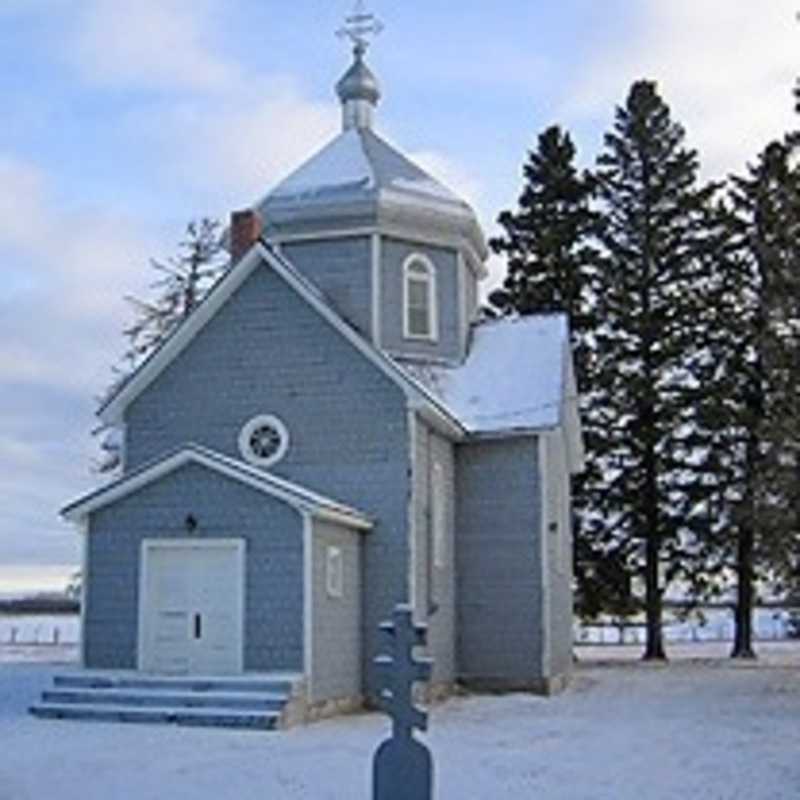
{"x":547,"y":241}
{"x":659,"y":238}
{"x":726,"y":413}
{"x":183,"y":281}
{"x":768,"y":211}
{"x":552,"y":265}
{"x":749,"y":410}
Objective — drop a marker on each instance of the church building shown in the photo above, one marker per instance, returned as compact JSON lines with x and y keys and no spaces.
{"x":333,"y":431}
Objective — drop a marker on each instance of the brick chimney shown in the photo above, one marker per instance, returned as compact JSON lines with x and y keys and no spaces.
{"x":244,"y":232}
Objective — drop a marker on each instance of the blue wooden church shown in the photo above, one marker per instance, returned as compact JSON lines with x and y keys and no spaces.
{"x":333,"y":431}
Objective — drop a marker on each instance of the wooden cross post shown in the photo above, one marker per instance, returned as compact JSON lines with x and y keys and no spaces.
{"x":402,"y":768}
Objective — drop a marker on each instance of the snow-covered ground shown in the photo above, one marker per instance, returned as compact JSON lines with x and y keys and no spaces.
{"x":698,"y":728}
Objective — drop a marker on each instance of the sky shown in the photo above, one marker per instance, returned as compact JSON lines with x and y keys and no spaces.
{"x":123,"y":119}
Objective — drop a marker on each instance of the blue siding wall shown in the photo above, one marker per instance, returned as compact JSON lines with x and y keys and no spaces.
{"x":342,"y":269}
{"x":393,"y":253}
{"x":267,"y":351}
{"x":498,"y":562}
{"x":224,"y":508}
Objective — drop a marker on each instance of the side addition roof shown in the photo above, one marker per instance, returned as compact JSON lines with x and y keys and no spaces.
{"x":513,"y":378}
{"x":302,"y":499}
{"x":517,"y":378}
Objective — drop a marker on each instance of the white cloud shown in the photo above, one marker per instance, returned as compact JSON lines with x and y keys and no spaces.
{"x":451,"y":174}
{"x":726,"y":69}
{"x":150,"y":44}
{"x":76,"y":268}
{"x":59,"y":333}
{"x":19,"y":581}
{"x":21,"y":195}
{"x":239,"y":144}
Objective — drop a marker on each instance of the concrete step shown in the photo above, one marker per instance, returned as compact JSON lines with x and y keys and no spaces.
{"x":196,"y":717}
{"x":242,"y":701}
{"x":257,"y":684}
{"x":261,"y":701}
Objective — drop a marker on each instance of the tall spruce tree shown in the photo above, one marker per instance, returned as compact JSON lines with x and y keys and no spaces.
{"x":657,"y":238}
{"x":749,"y":411}
{"x":550,"y":247}
{"x":726,"y":414}
{"x":547,"y":241}
{"x":767,"y":203}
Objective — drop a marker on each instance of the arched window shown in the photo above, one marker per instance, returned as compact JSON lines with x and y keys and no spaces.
{"x":419,"y":298}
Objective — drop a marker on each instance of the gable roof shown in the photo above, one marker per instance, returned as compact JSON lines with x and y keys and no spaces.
{"x":300,"y":498}
{"x":513,"y":379}
{"x":419,"y":396}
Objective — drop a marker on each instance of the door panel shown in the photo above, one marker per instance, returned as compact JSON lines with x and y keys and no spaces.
{"x":192,"y":612}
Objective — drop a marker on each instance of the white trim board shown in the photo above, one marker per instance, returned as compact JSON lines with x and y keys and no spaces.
{"x":410,"y":512}
{"x":83,"y":530}
{"x":302,"y":499}
{"x":308,"y":605}
{"x":376,"y":278}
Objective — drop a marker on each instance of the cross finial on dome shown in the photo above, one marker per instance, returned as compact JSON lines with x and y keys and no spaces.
{"x":360,"y":25}
{"x":358,"y":88}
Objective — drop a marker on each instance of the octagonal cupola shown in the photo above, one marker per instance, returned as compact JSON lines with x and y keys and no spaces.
{"x":362,"y":221}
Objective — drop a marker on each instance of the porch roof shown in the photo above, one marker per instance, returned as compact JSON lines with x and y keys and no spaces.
{"x":304,"y":500}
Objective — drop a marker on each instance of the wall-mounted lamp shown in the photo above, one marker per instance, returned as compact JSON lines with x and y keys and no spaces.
{"x":190,"y":523}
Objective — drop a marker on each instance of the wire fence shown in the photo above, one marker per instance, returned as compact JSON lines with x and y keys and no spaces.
{"x":703,"y":625}
{"x":44,"y":631}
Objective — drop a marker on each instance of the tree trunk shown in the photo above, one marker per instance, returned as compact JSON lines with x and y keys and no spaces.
{"x":745,"y":556}
{"x":654,"y":648}
{"x":743,"y":612}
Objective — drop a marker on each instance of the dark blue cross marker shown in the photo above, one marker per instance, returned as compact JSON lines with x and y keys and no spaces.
{"x":402,"y":768}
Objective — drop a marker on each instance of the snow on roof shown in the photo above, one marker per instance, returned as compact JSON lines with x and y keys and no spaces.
{"x":513,"y":377}
{"x":357,"y":160}
{"x":341,"y":164}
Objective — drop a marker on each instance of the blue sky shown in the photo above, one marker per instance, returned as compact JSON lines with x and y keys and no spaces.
{"x":123,"y":119}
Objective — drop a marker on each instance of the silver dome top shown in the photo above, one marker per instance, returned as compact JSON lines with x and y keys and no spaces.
{"x":359,"y":82}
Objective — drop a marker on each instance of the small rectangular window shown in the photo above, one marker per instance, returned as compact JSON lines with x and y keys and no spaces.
{"x":334,"y":572}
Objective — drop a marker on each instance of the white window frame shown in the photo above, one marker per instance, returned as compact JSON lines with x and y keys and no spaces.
{"x":429,"y":277}
{"x":334,"y":571}
{"x":247,"y":431}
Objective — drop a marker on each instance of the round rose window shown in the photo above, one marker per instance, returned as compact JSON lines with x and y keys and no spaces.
{"x":263,"y":440}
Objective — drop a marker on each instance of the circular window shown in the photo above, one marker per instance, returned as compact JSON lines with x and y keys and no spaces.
{"x":263,"y":441}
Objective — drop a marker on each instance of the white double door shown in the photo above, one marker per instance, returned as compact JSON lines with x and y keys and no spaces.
{"x":192,"y":607}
